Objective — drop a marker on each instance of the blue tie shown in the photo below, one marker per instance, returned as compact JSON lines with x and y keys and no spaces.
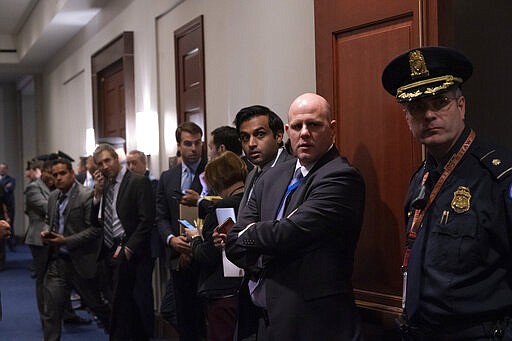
{"x":186,"y":178}
{"x":296,"y":181}
{"x":257,"y":289}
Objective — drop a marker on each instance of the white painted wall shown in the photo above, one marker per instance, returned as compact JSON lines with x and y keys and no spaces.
{"x":257,"y":52}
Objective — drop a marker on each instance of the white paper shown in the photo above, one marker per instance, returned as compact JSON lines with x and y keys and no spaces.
{"x":224,"y":213}
{"x":230,"y":269}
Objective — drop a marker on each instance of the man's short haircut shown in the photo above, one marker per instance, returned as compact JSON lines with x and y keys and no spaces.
{"x":101,"y":148}
{"x":47,"y":165}
{"x":36,"y":164}
{"x":140,"y":155}
{"x":63,"y":161}
{"x":274,"y":121}
{"x":228,"y":136}
{"x":189,"y":127}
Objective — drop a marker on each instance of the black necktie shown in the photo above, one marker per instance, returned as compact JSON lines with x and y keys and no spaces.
{"x":250,"y":188}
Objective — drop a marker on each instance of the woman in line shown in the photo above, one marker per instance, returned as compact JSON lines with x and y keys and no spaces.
{"x":225,"y":175}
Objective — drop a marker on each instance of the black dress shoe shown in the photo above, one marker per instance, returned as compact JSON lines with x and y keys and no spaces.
{"x":77,"y":320}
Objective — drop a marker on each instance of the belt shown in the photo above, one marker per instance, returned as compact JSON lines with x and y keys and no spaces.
{"x":115,"y":243}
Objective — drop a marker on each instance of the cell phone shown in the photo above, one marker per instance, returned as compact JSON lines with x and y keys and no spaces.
{"x":49,"y":235}
{"x":177,"y":195}
{"x":187,"y":224}
{"x":226,"y":226}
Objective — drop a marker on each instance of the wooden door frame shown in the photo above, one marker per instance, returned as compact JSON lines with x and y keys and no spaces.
{"x":426,"y":20}
{"x":118,"y":51}
{"x":192,"y":25}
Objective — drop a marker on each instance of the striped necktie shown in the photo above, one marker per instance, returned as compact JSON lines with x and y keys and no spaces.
{"x":112,"y":227}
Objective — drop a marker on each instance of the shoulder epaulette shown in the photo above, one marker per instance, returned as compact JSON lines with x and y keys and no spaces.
{"x":498,"y":161}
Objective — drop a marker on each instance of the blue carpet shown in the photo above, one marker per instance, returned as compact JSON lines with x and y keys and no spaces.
{"x":20,"y":316}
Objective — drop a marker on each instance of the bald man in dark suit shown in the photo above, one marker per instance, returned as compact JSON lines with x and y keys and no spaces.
{"x":300,"y":227}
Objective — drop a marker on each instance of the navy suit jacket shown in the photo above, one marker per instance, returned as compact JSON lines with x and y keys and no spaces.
{"x":308,"y":255}
{"x":167,"y":201}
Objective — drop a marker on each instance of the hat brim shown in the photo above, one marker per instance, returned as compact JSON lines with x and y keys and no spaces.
{"x":426,"y":87}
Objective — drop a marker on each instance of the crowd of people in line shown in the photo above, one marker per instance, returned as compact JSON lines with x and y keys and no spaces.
{"x":280,"y":267}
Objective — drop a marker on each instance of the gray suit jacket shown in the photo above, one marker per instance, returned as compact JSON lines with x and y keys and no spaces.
{"x":83,"y":240}
{"x":36,"y":206}
{"x":249,"y":183}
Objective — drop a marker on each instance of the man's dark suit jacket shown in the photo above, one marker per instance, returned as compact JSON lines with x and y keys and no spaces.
{"x":167,"y":201}
{"x":82,"y":238}
{"x":249,"y":182}
{"x":80,"y":177}
{"x":308,"y":254}
{"x":135,"y":207}
{"x":9,"y":184}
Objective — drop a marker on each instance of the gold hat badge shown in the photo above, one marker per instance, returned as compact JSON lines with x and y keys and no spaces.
{"x":417,"y":64}
{"x":461,"y":200}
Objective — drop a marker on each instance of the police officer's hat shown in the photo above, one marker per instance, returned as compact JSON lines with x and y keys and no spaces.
{"x":65,"y":156}
{"x":425,"y":71}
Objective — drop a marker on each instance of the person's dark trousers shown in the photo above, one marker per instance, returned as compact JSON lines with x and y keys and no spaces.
{"x":39,"y":263}
{"x":189,"y":311}
{"x":126,"y":322}
{"x":59,"y":279}
{"x":144,"y":294}
{"x":221,"y":315}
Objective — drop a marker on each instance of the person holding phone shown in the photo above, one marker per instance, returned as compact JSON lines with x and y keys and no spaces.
{"x":180,"y":305}
{"x":225,"y":175}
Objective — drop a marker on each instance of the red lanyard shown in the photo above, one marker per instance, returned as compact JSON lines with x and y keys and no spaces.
{"x":420,"y":214}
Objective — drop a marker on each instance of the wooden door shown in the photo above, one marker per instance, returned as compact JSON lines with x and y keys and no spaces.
{"x":354,"y":41}
{"x":190,"y":86}
{"x":113,"y":104}
{"x":113,"y":90}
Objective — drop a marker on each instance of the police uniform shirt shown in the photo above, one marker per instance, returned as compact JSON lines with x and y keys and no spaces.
{"x":466,"y":242}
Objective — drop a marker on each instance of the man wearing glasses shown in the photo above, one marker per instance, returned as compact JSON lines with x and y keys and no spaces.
{"x":457,"y":264}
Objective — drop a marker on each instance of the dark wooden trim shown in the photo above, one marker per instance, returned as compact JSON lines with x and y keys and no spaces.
{"x":116,"y":54}
{"x":179,"y":33}
{"x":378,"y":301}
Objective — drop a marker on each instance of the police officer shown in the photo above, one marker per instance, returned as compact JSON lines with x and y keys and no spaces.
{"x":458,"y":258}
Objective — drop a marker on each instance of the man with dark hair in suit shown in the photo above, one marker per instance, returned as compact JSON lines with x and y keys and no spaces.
{"x":300,"y":227}
{"x":184,"y":272}
{"x":74,"y":246}
{"x":126,"y":205}
{"x":9,"y":185}
{"x":224,"y":138}
{"x":260,"y":131}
